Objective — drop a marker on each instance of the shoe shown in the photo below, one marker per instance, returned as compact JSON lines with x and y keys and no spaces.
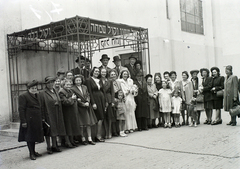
{"x":139,"y":129}
{"x":195,"y":124}
{"x":75,"y":145}
{"x":32,"y":157}
{"x":206,"y":122}
{"x":84,"y":142}
{"x":131,"y":131}
{"x":165,"y":125}
{"x":127,"y":132}
{"x":122,"y":134}
{"x":91,"y":142}
{"x":169,"y":125}
{"x":145,"y":129}
{"x":234,"y":124}
{"x":217,"y":122}
{"x":198,"y":122}
{"x":56,"y":149}
{"x":100,"y":140}
{"x":209,"y":122}
{"x":187,"y":123}
{"x":115,"y":134}
{"x":68,"y":145}
{"x":49,"y":150}
{"x":76,"y":142}
{"x":191,"y":124}
{"x":183,"y":123}
{"x":230,"y":123}
{"x":37,"y":154}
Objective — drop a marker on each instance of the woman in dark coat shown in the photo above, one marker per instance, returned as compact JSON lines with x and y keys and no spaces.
{"x":70,"y":113}
{"x":206,"y":90}
{"x":97,"y":99}
{"x":218,"y":85}
{"x":109,"y":96}
{"x":142,"y":109}
{"x":86,"y":114}
{"x":51,"y":109}
{"x":230,"y":93}
{"x":30,"y":119}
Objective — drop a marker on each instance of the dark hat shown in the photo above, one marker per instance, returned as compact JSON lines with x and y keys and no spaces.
{"x":229,"y":67}
{"x":193,"y":71}
{"x":49,"y":79}
{"x":60,"y":71}
{"x":204,"y":69}
{"x":215,"y":68}
{"x":116,"y":58}
{"x":147,"y":76}
{"x":132,"y":57}
{"x":32,"y":83}
{"x":80,"y":58}
{"x":138,"y":62}
{"x":104,"y":56}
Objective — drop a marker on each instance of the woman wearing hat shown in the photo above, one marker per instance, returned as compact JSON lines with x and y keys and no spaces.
{"x":230,"y":93}
{"x":206,"y":91}
{"x":153,"y":105}
{"x":51,"y":109}
{"x":195,"y":83}
{"x":218,"y":85}
{"x":30,"y":119}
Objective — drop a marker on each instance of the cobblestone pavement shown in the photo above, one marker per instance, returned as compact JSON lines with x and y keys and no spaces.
{"x":203,"y":147}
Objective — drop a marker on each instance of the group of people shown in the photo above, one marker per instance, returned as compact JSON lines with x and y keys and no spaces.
{"x":119,"y":101}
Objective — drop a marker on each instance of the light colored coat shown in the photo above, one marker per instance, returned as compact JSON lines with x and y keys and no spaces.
{"x":230,"y":91}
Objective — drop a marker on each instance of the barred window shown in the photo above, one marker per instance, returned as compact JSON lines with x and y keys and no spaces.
{"x":191,"y":16}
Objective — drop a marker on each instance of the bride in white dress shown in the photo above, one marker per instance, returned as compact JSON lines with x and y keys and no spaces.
{"x":130,"y":91}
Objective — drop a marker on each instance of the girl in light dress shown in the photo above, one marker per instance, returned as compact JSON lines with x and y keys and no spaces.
{"x":165,"y":95}
{"x":130,"y":91}
{"x":176,"y":107}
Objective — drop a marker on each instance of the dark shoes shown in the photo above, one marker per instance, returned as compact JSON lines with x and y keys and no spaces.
{"x":37,"y":154}
{"x":56,"y":149}
{"x":91,"y":142}
{"x":230,"y":123}
{"x":49,"y":150}
{"x":206,"y":122}
{"x":100,"y":140}
{"x":68,"y":145}
{"x":32,"y":157}
{"x":217,"y":122}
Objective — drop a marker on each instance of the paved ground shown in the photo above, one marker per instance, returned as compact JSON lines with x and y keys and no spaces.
{"x":185,"y":147}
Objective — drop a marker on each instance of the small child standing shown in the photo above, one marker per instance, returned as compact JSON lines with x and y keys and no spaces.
{"x":176,"y":107}
{"x":120,"y":111}
{"x":165,"y":95}
{"x":193,"y":112}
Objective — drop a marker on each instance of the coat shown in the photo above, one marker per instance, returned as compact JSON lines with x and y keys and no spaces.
{"x":51,"y":109}
{"x":230,"y":91}
{"x":153,"y":103}
{"x":218,"y":83}
{"x":132,"y":70}
{"x":97,"y":96}
{"x":142,"y":101}
{"x":121,"y":69}
{"x":187,"y":95}
{"x":86,"y":115}
{"x":70,"y":112}
{"x":207,"y":86}
{"x":29,"y":112}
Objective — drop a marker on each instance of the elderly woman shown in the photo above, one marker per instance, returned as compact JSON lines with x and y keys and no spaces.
{"x":51,"y":109}
{"x":230,"y":93}
{"x":152,"y":96}
{"x":195,"y":82}
{"x":86,"y":114}
{"x":218,"y":86}
{"x":116,"y":87}
{"x":129,"y":94}
{"x":158,"y":83}
{"x":30,"y":119}
{"x":97,"y":99}
{"x":142,"y":109}
{"x":206,"y":91}
{"x":109,"y":94}
{"x":186,"y":89}
{"x":70,"y":113}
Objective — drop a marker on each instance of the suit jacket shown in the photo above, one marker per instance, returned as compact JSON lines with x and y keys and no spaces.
{"x":122,"y":68}
{"x":207,"y":86}
{"x":109,"y":91}
{"x":83,"y":72}
{"x":132,"y":71}
{"x":230,"y":91}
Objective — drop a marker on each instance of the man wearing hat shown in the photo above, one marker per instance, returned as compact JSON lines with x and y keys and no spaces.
{"x":131,"y":67}
{"x":105,"y":59}
{"x":118,"y":68}
{"x":83,"y":67}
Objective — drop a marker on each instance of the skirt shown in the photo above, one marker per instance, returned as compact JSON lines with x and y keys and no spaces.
{"x":208,"y":105}
{"x":218,"y":104}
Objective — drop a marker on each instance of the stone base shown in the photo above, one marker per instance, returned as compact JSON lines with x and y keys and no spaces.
{"x":9,"y":130}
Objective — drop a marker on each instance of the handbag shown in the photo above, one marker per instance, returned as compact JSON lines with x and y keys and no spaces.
{"x":200,"y":98}
{"x":220,"y":93}
{"x":46,"y":128}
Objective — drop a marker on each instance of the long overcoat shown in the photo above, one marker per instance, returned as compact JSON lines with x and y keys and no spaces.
{"x":29,"y":112}
{"x":51,"y":109}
